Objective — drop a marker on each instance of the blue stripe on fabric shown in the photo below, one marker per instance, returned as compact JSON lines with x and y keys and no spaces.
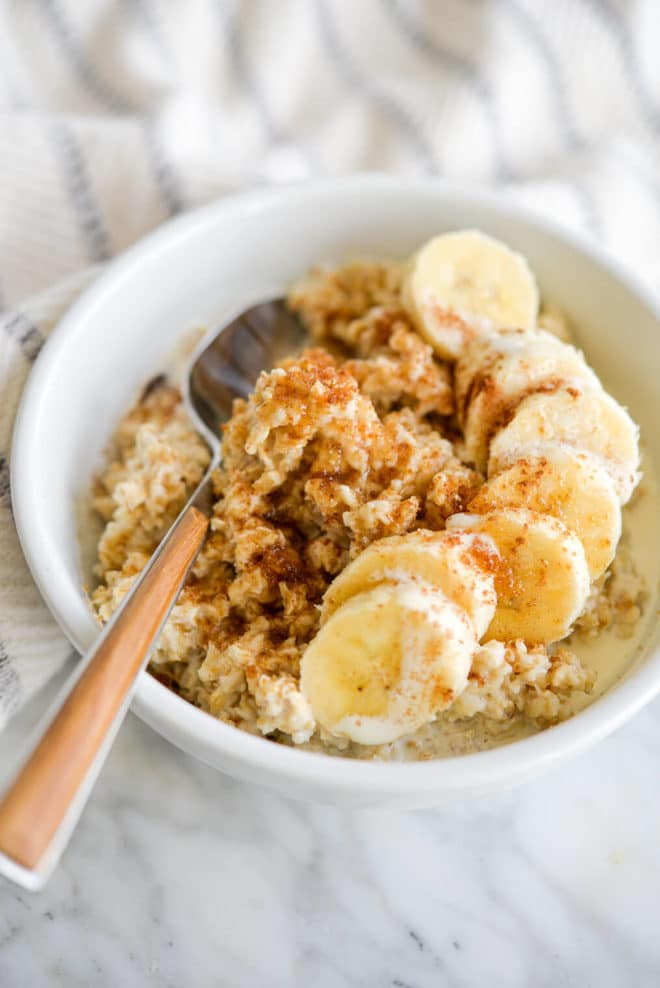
{"x":356,"y":80}
{"x":26,"y":334}
{"x":80,"y":192}
{"x":82,"y":66}
{"x":5,"y":486}
{"x":230,"y":16}
{"x":460,"y":66}
{"x":611,"y":18}
{"x":10,"y":683}
{"x":277,"y":136}
{"x":532,"y":30}
{"x":167,"y":181}
{"x":151,"y":21}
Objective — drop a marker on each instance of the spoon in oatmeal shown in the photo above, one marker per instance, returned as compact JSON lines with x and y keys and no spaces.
{"x":41,"y":806}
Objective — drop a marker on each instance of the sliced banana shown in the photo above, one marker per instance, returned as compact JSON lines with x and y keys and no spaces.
{"x":542,"y":581}
{"x":387,"y":661}
{"x":569,"y":485}
{"x":458,"y":563}
{"x":464,"y":284}
{"x":479,"y":355}
{"x":591,"y":421}
{"x":539,"y":362}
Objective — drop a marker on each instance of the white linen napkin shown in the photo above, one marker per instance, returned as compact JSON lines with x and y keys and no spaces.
{"x":117,"y":115}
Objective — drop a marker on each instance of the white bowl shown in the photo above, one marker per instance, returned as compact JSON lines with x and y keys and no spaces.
{"x":196,"y":271}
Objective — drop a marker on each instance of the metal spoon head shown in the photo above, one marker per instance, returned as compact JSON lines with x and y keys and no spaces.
{"x":228,"y":367}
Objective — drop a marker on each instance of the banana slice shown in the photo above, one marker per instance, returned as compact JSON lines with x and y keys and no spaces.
{"x":542,"y":581}
{"x":387,"y":661}
{"x":459,"y":564}
{"x":465,"y":284}
{"x":569,"y":485}
{"x":479,"y":355}
{"x":539,"y":362}
{"x":590,"y":421}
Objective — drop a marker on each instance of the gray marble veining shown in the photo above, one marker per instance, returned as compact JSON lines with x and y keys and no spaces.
{"x":179,"y":876}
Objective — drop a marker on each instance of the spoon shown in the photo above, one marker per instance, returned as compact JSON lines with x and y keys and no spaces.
{"x":44,"y":800}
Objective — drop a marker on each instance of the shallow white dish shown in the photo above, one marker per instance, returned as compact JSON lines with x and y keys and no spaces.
{"x":202,"y":268}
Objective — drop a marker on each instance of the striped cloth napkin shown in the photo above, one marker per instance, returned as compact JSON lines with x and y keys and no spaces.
{"x":117,"y":115}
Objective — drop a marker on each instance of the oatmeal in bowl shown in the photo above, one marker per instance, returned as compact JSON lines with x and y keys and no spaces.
{"x":421,"y":542}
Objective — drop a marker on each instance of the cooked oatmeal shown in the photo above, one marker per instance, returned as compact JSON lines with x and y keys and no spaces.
{"x":350,"y":442}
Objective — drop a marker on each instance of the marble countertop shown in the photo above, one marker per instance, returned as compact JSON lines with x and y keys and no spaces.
{"x":179,"y":876}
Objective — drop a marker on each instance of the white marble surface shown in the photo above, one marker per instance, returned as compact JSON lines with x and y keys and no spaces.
{"x":179,"y":876}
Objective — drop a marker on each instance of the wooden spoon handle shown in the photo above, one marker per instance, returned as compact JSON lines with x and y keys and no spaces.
{"x":35,"y":806}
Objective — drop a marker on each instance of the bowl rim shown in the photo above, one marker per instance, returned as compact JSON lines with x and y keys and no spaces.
{"x":175,"y":717}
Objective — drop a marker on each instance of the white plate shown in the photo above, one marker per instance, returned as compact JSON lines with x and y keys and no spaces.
{"x":203,"y":266}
